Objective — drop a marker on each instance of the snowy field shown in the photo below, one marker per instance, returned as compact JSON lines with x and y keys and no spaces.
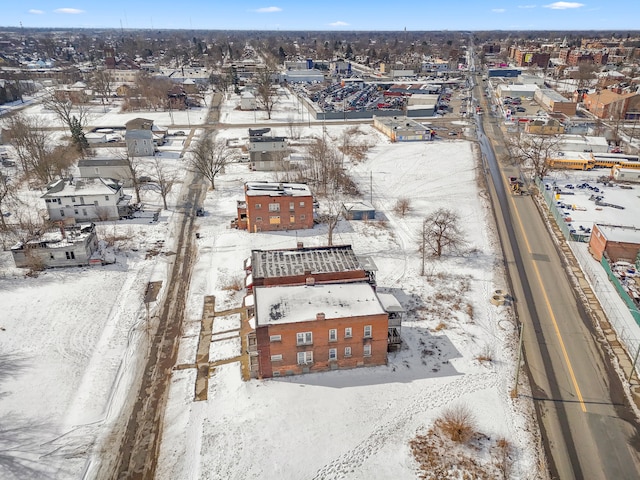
{"x":357,"y":424}
{"x":71,"y":339}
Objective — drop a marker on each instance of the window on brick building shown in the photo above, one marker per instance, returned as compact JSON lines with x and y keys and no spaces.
{"x":258,"y":205}
{"x":367,"y":331}
{"x":333,"y":335}
{"x":347,"y":352}
{"x":304,"y":358}
{"x":348,"y":332}
{"x":275,"y":338}
{"x":333,"y":354}
{"x":367,"y":351}
{"x":276,"y":358}
{"x":274,"y":207}
{"x":304,"y":338}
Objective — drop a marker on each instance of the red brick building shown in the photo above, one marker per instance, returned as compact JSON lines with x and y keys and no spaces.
{"x":317,"y":309}
{"x":270,"y":206}
{"x":312,"y":328}
{"x":524,"y":57}
{"x":618,"y":242}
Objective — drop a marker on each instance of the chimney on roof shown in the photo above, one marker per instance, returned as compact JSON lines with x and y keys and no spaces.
{"x":300,"y":245}
{"x":281,"y":186}
{"x":319,"y":316}
{"x":310,"y":281}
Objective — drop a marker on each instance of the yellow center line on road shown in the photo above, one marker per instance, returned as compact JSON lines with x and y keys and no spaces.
{"x":548,"y":303}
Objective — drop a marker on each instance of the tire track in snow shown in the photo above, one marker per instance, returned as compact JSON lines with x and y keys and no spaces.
{"x":383,"y":433}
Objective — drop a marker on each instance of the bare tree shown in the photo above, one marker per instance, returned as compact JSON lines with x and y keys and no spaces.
{"x":586,"y":74}
{"x":440,"y":232}
{"x":65,"y":109}
{"x":164,"y":179}
{"x":210,"y":155}
{"x":402,"y":206}
{"x":135,"y":167}
{"x":266,"y":95}
{"x":7,"y":192}
{"x":331,"y":214}
{"x":323,"y":165}
{"x":38,"y":158}
{"x":532,"y":151}
{"x":102,"y":84}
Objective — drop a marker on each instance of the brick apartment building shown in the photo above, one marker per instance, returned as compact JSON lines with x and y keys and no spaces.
{"x":317,"y":309}
{"x":270,"y":206}
{"x":318,"y":327}
{"x":524,"y":57}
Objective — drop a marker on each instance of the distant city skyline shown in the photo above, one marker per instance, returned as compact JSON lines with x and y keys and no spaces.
{"x":326,"y":15}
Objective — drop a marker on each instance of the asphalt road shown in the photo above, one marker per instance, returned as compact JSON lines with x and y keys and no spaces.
{"x":588,"y":428}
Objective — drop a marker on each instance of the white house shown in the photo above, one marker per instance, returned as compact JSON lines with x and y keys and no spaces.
{"x":67,"y":246}
{"x":86,"y":199}
{"x":140,"y":137}
{"x":116,"y":168}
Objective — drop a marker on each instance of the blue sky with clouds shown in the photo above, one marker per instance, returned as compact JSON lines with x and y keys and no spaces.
{"x":324,"y":14}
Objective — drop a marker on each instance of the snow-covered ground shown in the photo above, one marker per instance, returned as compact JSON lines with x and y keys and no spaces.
{"x":71,"y":338}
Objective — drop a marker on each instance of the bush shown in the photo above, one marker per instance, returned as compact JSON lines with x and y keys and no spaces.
{"x":457,"y":423}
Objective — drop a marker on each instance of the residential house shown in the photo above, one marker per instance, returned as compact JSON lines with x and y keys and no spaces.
{"x":315,"y":309}
{"x":142,"y":137}
{"x":86,"y":199}
{"x":66,"y":246}
{"x":266,"y":153}
{"x":248,"y":101}
{"x":270,"y":206}
{"x":116,"y":168}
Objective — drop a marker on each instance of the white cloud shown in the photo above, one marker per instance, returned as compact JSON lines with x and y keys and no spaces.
{"x":564,"y":5}
{"x":339,"y":24}
{"x":527,"y":6}
{"x":268,"y":9}
{"x":498,"y":10}
{"x":72,"y":11}
{"x":33,"y":11}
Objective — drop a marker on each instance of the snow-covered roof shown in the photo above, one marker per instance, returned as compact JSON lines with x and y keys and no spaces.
{"x":81,"y":187}
{"x":275,"y":189}
{"x":301,"y":303}
{"x":390,"y":303}
{"x":617,"y":233}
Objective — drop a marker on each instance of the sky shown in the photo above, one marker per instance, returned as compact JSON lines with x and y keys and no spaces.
{"x":324,"y":15}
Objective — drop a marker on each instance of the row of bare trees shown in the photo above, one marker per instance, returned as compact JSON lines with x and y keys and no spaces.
{"x":39,"y":156}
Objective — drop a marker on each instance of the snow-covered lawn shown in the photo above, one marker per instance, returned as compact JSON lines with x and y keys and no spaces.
{"x":72,"y":339}
{"x":358,"y":423}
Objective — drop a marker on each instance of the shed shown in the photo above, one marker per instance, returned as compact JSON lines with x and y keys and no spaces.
{"x":358,"y":211}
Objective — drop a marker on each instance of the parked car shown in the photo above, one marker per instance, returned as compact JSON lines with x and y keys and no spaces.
{"x":521,"y":109}
{"x":144,"y":179}
{"x":179,"y":133}
{"x":200,"y":212}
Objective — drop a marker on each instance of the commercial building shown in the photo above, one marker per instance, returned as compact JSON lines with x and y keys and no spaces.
{"x":552,"y":101}
{"x":402,"y":129}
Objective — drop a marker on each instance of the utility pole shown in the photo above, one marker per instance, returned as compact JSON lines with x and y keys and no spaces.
{"x":515,"y":389}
